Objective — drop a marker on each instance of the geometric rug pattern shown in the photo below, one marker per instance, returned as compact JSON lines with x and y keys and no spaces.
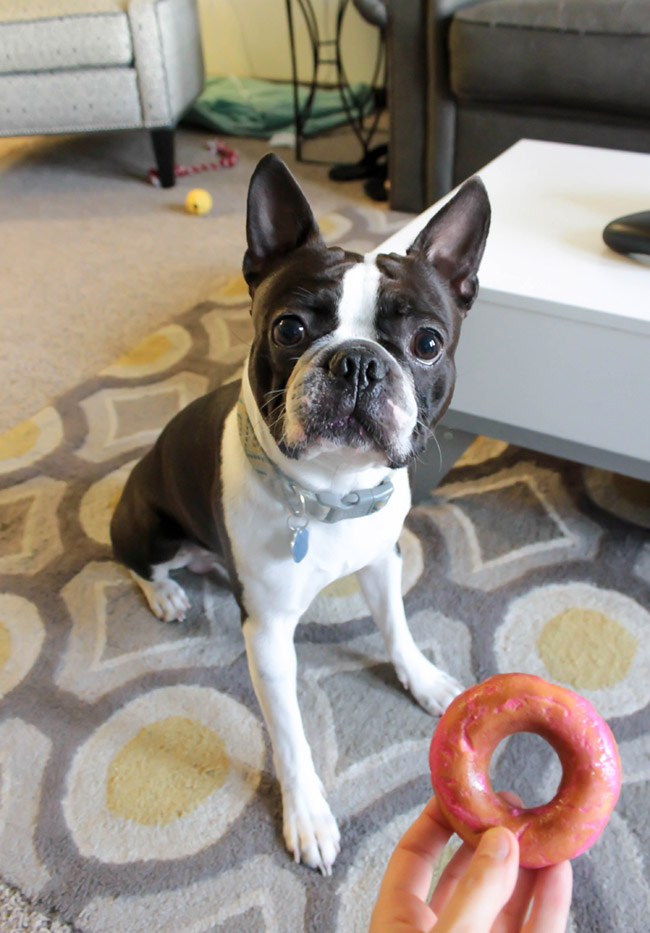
{"x":136,"y":785}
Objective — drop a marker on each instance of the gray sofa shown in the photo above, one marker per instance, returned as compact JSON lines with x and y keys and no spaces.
{"x":468,"y":79}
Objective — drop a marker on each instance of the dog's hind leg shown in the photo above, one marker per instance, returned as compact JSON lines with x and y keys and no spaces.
{"x":167,"y":599}
{"x":151,"y":544}
{"x":381,"y":585}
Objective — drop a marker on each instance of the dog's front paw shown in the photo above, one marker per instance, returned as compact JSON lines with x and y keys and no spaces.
{"x":166,"y":599}
{"x":432,"y":688}
{"x":310,"y":830}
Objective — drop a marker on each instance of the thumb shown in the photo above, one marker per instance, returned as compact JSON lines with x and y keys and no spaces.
{"x":486,"y":886}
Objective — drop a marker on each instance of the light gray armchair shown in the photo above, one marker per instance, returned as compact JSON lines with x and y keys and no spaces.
{"x":70,"y":66}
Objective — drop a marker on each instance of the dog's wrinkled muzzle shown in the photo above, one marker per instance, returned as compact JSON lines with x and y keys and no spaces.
{"x":354,"y":395}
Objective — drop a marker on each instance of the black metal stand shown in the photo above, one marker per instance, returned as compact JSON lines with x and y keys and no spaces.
{"x":328,"y":52}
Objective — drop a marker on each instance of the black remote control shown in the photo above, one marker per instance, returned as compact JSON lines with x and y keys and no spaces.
{"x":630,"y":234}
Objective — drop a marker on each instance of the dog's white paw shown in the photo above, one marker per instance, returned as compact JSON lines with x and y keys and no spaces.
{"x":166,"y":599}
{"x":432,"y":688}
{"x":310,"y":830}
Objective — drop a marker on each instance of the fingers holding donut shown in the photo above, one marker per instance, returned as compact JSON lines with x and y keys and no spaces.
{"x":512,"y":873}
{"x":485,"y":887}
{"x":514,"y":911}
{"x":407,"y":881}
{"x":493,"y":894}
{"x":484,"y":891}
{"x":551,"y":899}
{"x":469,"y":732}
{"x":419,"y":849}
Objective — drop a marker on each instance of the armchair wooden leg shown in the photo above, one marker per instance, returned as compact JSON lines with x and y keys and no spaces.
{"x":163,"y":147}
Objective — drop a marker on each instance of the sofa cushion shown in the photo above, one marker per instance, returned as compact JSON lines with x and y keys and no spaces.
{"x":54,"y":35}
{"x":566,"y":53}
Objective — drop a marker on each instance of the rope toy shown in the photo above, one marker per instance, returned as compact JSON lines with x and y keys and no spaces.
{"x":227,"y":158}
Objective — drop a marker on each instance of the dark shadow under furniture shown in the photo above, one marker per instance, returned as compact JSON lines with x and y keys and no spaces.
{"x":466,"y":80}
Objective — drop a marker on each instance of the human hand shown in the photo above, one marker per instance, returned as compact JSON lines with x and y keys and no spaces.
{"x":482,"y":891}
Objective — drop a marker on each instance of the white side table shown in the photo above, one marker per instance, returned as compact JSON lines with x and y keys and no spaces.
{"x":555,"y":353}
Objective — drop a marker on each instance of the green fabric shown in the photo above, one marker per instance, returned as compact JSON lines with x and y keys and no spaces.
{"x":250,"y":107}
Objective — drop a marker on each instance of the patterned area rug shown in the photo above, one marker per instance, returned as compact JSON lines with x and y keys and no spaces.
{"x":136,"y":786}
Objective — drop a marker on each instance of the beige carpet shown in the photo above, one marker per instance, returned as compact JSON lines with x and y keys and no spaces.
{"x":94,"y":258}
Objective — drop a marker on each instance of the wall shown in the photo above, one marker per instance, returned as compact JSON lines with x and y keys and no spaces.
{"x":250,"y":38}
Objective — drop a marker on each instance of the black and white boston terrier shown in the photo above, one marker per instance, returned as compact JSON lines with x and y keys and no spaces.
{"x":297,"y":475}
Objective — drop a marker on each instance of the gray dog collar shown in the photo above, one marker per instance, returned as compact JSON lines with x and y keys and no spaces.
{"x":328,"y":507}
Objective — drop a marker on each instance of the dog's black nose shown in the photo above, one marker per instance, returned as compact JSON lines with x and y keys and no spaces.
{"x":358,"y":366}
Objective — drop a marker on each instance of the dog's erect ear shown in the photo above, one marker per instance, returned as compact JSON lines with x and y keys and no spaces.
{"x":278,"y":218}
{"x":454,"y":240}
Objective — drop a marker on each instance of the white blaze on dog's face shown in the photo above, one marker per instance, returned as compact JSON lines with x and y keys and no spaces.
{"x":353,"y":352}
{"x":347,"y":389}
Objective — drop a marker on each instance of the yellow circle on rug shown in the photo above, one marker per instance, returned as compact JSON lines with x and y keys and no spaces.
{"x":5,"y":645}
{"x":21,"y":638}
{"x":343,"y":587}
{"x":100,"y":501}
{"x":17,"y":441}
{"x":586,"y":648}
{"x":165,"y":771}
{"x":234,"y":289}
{"x":333,"y":226}
{"x":147,"y":351}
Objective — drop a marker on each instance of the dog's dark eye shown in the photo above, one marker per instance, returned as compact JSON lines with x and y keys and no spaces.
{"x":426,"y":345}
{"x":288,"y":331}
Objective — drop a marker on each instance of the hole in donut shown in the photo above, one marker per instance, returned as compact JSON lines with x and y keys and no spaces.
{"x":525,"y":764}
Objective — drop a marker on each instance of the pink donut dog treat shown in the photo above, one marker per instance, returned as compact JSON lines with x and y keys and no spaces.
{"x":470,"y":730}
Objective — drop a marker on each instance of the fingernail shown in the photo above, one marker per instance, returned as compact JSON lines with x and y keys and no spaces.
{"x":495,"y":843}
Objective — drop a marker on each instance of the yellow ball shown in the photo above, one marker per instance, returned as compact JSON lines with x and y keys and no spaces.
{"x":198,"y":201}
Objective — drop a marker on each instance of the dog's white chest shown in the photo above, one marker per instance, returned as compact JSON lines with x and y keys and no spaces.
{"x":259,"y":526}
